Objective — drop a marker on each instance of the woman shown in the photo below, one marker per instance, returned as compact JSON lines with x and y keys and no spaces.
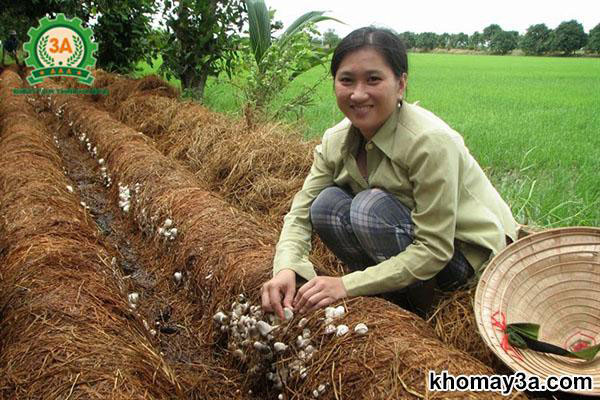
{"x":392,"y":191}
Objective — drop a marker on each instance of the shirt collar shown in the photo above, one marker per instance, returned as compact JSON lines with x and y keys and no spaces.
{"x":383,"y":138}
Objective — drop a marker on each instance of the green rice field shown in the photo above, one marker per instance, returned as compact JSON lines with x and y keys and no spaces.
{"x":533,"y":123}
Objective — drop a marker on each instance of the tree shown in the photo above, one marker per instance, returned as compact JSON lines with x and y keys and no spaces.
{"x":569,"y":37}
{"x":21,"y":15}
{"x":120,"y":28}
{"x":476,"y":41}
{"x":593,"y":44}
{"x":123,"y":33}
{"x":536,"y":40}
{"x":459,"y":40}
{"x":203,"y":39}
{"x":503,"y":43}
{"x":443,"y":41}
{"x":331,"y":39}
{"x":270,"y":64}
{"x":489,"y":32}
{"x":426,"y":40}
{"x":409,"y":39}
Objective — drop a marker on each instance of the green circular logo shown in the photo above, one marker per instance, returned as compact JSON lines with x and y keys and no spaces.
{"x":60,"y":47}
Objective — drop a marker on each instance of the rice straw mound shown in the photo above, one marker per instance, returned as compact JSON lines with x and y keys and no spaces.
{"x":146,"y":174}
{"x":66,"y":330}
{"x":122,"y":88}
{"x":454,"y":322}
{"x":135,"y":111}
{"x":227,"y":254}
{"x":249,"y":168}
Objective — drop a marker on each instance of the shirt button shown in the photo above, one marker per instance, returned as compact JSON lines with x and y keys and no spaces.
{"x":369,"y":146}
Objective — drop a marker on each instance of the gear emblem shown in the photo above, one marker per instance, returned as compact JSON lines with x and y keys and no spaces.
{"x":60,"y":47}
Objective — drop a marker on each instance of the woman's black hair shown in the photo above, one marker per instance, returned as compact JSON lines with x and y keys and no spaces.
{"x":386,"y":42}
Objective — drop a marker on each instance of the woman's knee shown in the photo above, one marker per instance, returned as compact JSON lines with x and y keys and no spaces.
{"x":378,"y":217}
{"x":329,"y":202}
{"x":377,"y":204}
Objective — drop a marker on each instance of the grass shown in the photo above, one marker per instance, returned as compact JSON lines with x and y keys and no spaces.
{"x":531,"y":122}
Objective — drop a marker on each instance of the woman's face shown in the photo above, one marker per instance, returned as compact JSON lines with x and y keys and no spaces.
{"x":367,"y":90}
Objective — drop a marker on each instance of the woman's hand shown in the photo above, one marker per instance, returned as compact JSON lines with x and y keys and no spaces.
{"x":319,"y":292}
{"x":281,"y":285}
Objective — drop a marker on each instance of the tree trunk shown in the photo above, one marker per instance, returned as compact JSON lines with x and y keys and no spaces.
{"x":195,"y":81}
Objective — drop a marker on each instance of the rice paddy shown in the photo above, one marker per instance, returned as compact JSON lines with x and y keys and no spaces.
{"x":531,"y":122}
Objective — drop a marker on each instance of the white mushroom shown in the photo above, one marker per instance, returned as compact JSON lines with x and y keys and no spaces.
{"x":341,"y":330}
{"x":303,"y":371}
{"x":133,"y":297}
{"x":315,"y":393}
{"x":237,"y":310}
{"x":321,"y":388}
{"x":329,"y":312}
{"x":302,"y":342}
{"x":361,"y":329}
{"x":264,"y":328}
{"x":178,"y":276}
{"x":220,"y":317}
{"x":168,"y":222}
{"x":70,"y":188}
{"x":260,"y":346}
{"x":302,"y":323}
{"x":339,"y":311}
{"x":239,"y":354}
{"x":280,"y":347}
{"x":288,"y":313}
{"x":329,"y":329}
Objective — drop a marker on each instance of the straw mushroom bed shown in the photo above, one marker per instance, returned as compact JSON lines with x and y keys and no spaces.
{"x":259,"y":171}
{"x":66,"y":329}
{"x":224,"y":255}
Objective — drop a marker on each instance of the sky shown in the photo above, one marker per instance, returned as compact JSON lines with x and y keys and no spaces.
{"x":451,"y":16}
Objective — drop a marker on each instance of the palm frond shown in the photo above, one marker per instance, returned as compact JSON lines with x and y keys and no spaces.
{"x":260,"y":28}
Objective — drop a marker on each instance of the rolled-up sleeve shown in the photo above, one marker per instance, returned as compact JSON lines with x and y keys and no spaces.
{"x":294,"y":243}
{"x":433,"y":162}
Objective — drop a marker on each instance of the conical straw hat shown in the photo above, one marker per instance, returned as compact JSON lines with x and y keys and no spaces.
{"x":551,"y":278}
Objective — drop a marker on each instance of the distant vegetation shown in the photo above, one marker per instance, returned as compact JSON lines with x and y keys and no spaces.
{"x":197,"y":39}
{"x":566,"y":39}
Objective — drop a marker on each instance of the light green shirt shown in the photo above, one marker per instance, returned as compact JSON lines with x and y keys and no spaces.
{"x":424,"y":163}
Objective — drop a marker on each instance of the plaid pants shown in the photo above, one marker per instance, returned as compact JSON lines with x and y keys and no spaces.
{"x":373,"y":226}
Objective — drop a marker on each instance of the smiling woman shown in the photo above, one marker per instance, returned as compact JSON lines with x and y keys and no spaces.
{"x":392,"y":191}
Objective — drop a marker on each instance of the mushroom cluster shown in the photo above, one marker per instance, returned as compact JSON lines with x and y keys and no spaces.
{"x":124,"y":198}
{"x":167,"y":230}
{"x":254,"y":333}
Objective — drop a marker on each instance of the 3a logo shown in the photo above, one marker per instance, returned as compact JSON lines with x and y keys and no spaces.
{"x":60,"y":47}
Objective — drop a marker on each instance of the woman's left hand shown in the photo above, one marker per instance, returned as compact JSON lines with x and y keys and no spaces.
{"x":319,"y":292}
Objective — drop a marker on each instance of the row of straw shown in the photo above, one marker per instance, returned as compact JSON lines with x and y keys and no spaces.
{"x":170,"y":314}
{"x":227,"y":255}
{"x":66,"y":329}
{"x":258,"y":171}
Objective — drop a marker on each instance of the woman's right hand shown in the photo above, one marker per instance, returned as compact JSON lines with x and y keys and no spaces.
{"x":281,"y":286}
